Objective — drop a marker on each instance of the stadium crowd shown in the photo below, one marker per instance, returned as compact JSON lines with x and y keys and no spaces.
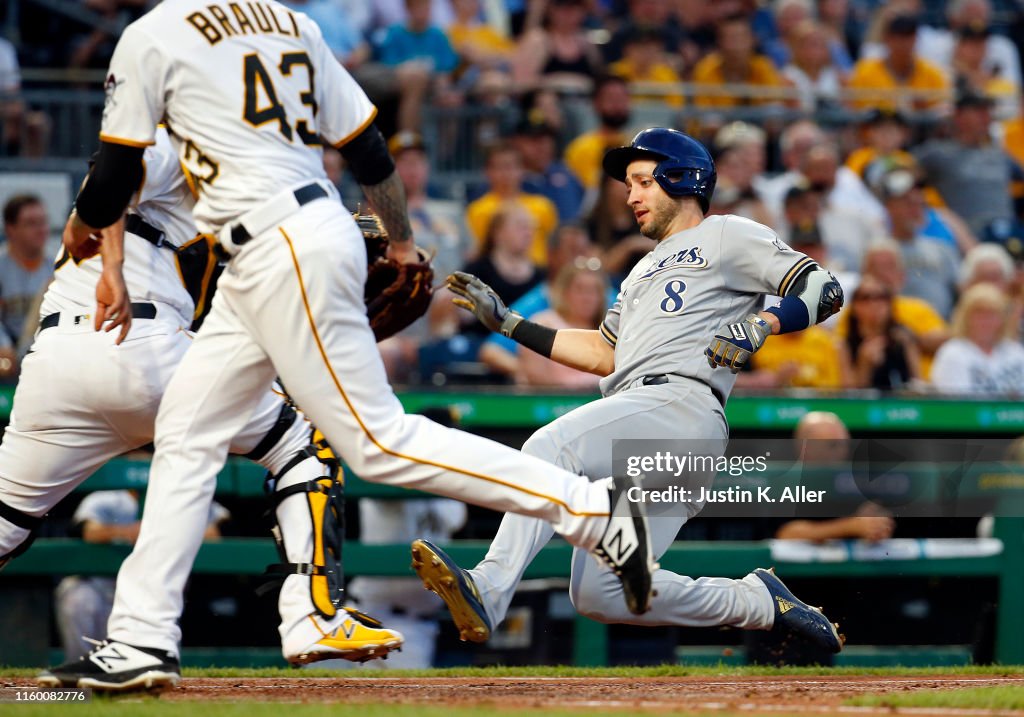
{"x":884,"y":139}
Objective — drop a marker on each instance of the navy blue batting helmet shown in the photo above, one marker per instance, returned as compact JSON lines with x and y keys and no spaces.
{"x":685,"y":167}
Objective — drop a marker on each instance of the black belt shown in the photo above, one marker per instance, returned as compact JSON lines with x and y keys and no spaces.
{"x":663,"y":378}
{"x":140,"y":310}
{"x":140,"y":227}
{"x":303,"y":195}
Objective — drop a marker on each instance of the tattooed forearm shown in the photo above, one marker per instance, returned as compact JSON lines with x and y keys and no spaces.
{"x":388,"y":200}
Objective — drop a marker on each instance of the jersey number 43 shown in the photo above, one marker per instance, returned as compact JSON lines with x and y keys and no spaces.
{"x":261,"y":99}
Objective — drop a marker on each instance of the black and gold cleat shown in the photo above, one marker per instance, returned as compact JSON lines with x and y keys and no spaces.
{"x":452,"y":584}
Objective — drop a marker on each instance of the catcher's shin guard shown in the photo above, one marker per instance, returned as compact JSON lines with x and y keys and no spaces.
{"x":20,"y":520}
{"x":325,"y":497}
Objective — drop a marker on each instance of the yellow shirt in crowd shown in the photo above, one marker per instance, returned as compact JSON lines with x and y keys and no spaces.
{"x":584,"y":154}
{"x":659,"y":72}
{"x":815,"y":350}
{"x":872,"y":73}
{"x":916,"y":315}
{"x":479,"y":214}
{"x":709,"y":72}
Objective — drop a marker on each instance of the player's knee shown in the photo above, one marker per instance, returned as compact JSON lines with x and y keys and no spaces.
{"x":542,"y":445}
{"x":591,"y":601}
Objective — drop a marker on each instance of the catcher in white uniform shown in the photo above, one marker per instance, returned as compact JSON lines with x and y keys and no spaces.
{"x":659,"y":383}
{"x":249,"y":93}
{"x":71,"y":417}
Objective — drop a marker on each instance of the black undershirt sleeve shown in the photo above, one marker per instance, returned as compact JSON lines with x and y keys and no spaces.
{"x":367,"y":157}
{"x":114,"y":178}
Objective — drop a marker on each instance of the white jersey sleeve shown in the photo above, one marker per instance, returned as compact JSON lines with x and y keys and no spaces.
{"x":345,"y":110}
{"x":756,"y":261}
{"x":135,"y":90}
{"x":609,"y":328}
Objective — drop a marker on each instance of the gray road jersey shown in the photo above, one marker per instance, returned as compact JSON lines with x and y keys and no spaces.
{"x":687,"y":288}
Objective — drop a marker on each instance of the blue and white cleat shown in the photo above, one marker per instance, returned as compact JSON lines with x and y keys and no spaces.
{"x":441,"y":575}
{"x":793,"y":614}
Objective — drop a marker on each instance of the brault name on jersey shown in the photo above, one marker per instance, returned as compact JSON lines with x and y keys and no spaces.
{"x":258,"y":18}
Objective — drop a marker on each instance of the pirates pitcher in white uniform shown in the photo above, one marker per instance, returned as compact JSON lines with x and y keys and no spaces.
{"x":659,"y":382}
{"x":71,"y":417}
{"x":249,"y":92}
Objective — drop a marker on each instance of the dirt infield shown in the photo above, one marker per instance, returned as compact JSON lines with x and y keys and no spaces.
{"x":754,"y":695}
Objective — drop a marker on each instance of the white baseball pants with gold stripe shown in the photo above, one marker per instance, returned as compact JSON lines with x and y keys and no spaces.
{"x":290,"y":304}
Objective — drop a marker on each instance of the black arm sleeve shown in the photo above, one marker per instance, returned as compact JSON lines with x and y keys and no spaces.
{"x":115,"y":176}
{"x":368,"y":157}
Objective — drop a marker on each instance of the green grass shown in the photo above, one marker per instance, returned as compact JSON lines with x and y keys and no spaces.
{"x":988,"y":698}
{"x":566,"y":671}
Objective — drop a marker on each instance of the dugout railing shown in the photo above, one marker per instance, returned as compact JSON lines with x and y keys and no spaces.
{"x":896,"y":415}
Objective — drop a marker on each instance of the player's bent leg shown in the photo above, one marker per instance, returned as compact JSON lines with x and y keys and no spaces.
{"x":307,"y":484}
{"x":327,"y":358}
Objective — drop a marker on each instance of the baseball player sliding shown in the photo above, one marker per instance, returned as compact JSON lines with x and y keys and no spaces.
{"x":659,"y":383}
{"x":70,"y":417}
{"x":250,"y":92}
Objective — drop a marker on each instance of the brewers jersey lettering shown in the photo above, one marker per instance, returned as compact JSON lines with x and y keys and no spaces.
{"x":689,"y":285}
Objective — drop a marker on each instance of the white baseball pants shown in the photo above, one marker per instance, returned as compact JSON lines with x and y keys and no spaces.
{"x":290,"y":304}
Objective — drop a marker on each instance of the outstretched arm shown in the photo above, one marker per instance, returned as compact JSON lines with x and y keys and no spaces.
{"x":578,"y":348}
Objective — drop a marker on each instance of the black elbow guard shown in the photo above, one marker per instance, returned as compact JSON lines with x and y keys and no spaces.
{"x":115,"y":176}
{"x":368,"y":157}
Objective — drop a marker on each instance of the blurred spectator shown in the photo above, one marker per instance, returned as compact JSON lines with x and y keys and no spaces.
{"x":546,"y":173}
{"x":930,"y":256}
{"x":882,"y":353}
{"x":422,"y":59}
{"x":439,"y":227}
{"x":811,"y":358}
{"x":340,"y":33}
{"x":735,"y":61}
{"x":992,"y":264}
{"x":824,"y":440}
{"x":971,"y":73}
{"x":613,"y":226}
{"x":843,"y":21}
{"x":883,"y":260}
{"x":382,"y":14}
{"x":482,"y":48}
{"x":578,"y":296}
{"x":790,"y":16}
{"x":611,"y":103}
{"x":850,"y":214}
{"x":1000,"y":57}
{"x":402,"y":603}
{"x":981,"y":358}
{"x":644,"y":61}
{"x":503,"y":167}
{"x":25,"y":269}
{"x":971,"y":173}
{"x":697,"y":20}
{"x":816,"y":76}
{"x":655,"y":15}
{"x":884,"y":133}
{"x":740,"y":160}
{"x":22,"y":131}
{"x":570,"y":245}
{"x":794,"y":143}
{"x":83,"y":603}
{"x":900,"y":79}
{"x":505,"y":264}
{"x":559,"y":54}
